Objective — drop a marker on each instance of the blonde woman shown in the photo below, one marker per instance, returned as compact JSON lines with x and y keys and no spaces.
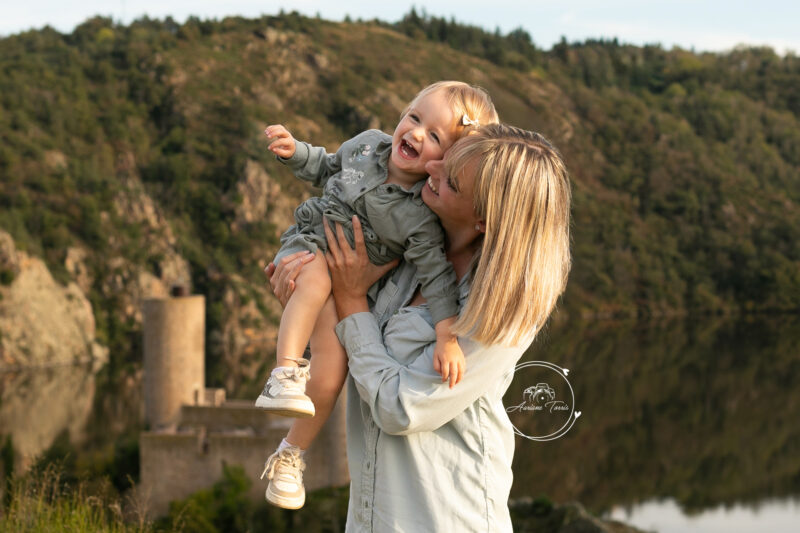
{"x":423,"y":456}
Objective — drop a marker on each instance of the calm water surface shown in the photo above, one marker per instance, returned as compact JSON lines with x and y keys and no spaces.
{"x":685,"y":426}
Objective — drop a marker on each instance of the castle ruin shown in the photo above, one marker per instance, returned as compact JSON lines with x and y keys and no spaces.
{"x":194,"y":430}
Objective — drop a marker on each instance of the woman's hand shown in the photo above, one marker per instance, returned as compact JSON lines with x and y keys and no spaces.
{"x":282,"y":276}
{"x":352,"y":273}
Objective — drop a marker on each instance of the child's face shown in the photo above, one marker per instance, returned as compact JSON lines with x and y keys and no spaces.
{"x":423,"y":134}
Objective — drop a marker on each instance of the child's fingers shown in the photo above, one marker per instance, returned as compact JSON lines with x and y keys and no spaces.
{"x":453,"y":374}
{"x":460,"y":372}
{"x":281,"y":146}
{"x":276,"y":130}
{"x":445,"y":372}
{"x":437,"y":365}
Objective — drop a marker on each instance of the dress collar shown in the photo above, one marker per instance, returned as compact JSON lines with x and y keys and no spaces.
{"x":383,"y":151}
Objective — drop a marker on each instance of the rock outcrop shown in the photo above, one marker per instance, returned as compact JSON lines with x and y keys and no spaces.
{"x":41,"y":321}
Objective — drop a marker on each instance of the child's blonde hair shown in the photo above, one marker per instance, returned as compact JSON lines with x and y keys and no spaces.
{"x":522,"y":193}
{"x":465,"y":100}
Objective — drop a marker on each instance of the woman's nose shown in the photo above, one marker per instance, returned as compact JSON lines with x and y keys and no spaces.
{"x":434,"y":167}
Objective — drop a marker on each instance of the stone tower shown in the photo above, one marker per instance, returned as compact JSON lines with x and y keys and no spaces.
{"x":174,"y":357}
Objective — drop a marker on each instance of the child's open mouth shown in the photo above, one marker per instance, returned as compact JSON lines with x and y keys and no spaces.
{"x":407,"y":151}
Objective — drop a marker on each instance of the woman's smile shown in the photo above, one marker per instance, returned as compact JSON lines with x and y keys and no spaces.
{"x":432,"y":186}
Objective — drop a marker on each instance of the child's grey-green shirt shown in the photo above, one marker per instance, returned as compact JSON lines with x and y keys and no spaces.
{"x":396,"y":222}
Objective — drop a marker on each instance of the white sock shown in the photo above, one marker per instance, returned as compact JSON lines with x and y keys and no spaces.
{"x":285,"y":444}
{"x":279,"y":369}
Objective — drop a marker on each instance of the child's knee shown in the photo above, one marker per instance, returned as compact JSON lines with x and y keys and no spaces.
{"x":315,"y":278}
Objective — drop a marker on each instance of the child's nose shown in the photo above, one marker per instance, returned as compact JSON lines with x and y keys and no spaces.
{"x":418,"y":134}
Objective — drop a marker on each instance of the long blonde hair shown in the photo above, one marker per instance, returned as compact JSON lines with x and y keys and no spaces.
{"x":522,"y":193}
{"x":464,"y":100}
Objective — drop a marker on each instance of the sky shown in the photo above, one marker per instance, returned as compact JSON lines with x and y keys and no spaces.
{"x":702,"y":25}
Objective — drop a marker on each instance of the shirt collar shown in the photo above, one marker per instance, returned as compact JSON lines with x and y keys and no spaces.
{"x":383,"y":151}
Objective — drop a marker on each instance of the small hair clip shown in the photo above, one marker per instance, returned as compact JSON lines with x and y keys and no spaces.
{"x":466,"y":121}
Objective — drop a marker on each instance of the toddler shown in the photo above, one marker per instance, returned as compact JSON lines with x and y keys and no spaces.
{"x":378,"y":178}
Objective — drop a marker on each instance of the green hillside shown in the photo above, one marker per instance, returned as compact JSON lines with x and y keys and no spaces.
{"x":685,"y":166}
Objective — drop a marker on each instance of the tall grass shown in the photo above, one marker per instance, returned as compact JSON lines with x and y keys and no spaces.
{"x":41,"y":502}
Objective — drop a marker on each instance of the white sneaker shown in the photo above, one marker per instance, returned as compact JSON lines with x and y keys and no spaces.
{"x":284,"y":469}
{"x":285,"y":392}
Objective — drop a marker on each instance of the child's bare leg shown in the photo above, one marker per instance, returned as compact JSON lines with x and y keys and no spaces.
{"x":328,"y":372}
{"x":313,"y":287}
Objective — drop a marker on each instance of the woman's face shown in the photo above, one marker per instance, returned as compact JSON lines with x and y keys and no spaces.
{"x":450,"y":197}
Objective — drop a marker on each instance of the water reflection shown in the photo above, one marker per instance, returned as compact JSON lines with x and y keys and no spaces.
{"x":39,"y":404}
{"x":667,"y":517}
{"x":701,"y":412}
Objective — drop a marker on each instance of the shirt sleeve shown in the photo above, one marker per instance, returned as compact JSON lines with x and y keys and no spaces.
{"x":411,"y":398}
{"x":424,"y":249}
{"x":313,"y":163}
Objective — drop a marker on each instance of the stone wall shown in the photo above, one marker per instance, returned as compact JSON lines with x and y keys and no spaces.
{"x":174,"y":464}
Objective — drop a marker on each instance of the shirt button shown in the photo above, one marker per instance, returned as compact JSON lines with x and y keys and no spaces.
{"x":363,"y":189}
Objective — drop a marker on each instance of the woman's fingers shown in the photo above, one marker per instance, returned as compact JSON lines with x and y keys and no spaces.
{"x":333,"y":244}
{"x":358,"y":237}
{"x":381,"y":270}
{"x":344,"y":246}
{"x":283,"y":275}
{"x":269,"y":270}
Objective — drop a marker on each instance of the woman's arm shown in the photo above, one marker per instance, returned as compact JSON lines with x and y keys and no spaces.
{"x":412,"y":398}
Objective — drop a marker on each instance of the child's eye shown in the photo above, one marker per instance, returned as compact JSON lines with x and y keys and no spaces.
{"x":435,"y":137}
{"x":414,"y":117}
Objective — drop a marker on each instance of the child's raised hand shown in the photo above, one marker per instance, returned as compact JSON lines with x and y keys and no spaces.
{"x":448,"y":359}
{"x":283,"y":143}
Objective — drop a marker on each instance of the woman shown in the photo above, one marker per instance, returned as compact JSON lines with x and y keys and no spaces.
{"x":422,"y":456}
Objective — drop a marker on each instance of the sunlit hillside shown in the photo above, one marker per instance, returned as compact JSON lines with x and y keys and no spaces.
{"x":132,"y":157}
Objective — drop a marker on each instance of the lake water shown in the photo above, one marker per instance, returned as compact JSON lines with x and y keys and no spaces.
{"x":686,"y":426}
{"x":689,"y":426}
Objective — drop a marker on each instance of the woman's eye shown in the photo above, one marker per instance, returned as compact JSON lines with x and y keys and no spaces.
{"x":451,"y":183}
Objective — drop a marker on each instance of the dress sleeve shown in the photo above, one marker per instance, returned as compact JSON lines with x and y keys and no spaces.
{"x":411,"y":398}
{"x":313,"y":163}
{"x":424,"y":248}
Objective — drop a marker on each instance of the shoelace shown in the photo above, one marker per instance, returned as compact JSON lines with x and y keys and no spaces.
{"x":287,"y":457}
{"x":301,"y":373}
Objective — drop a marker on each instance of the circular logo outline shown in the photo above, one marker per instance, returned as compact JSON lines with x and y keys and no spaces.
{"x":573,"y":415}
